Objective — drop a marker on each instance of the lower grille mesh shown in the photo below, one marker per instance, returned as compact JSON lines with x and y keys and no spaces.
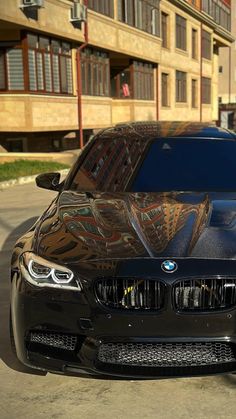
{"x":166,"y":354}
{"x":56,"y":340}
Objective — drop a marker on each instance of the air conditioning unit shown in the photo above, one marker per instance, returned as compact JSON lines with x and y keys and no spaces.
{"x":78,"y":13}
{"x":31,"y":4}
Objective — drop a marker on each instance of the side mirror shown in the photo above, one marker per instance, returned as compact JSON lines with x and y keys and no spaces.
{"x":49,"y":181}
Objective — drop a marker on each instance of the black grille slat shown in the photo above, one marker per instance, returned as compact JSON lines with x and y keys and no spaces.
{"x":145,"y":293}
{"x":174,"y":354}
{"x":214,"y":294}
{"x":157,"y":292}
{"x":222,"y":296}
{"x":211,"y":293}
{"x":115,"y":292}
{"x":204,"y":294}
{"x":131,"y":294}
{"x":137,"y":296}
{"x":203,"y":287}
{"x":148,"y":294}
{"x":233,"y":295}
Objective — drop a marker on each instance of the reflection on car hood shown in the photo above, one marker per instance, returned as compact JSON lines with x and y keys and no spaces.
{"x":132,"y":225}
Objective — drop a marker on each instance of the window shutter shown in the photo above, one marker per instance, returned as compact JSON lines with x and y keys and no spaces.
{"x":48,"y":74}
{"x":138,"y":13}
{"x":120,"y":10}
{"x":32,"y":71}
{"x":2,"y":72}
{"x":56,"y":76}
{"x":63,"y":74}
{"x":15,"y":69}
{"x":107,"y":78}
{"x":110,"y":7}
{"x":39,"y":59}
{"x":156,"y":22}
{"x":130,"y":12}
{"x":69,"y":75}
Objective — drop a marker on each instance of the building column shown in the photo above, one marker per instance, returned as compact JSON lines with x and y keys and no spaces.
{"x":115,"y":9}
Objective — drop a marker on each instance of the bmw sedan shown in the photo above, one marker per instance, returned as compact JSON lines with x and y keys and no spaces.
{"x":131,"y":270}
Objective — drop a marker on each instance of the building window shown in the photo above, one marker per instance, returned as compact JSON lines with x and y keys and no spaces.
{"x":220,"y":69}
{"x":15,"y":145}
{"x":95,"y":73}
{"x":206,"y":90}
{"x":194,"y":93}
{"x":165,"y":89}
{"x":105,"y":7}
{"x":181,"y":32}
{"x":121,"y":83}
{"x":143,"y":74}
{"x":141,"y":14}
{"x":219,"y":11}
{"x":181,"y":86}
{"x":206,"y":45}
{"x":194,"y":44}
{"x":2,"y":71}
{"x":49,"y":64}
{"x":11,"y":69}
{"x":164,"y":30}
{"x":134,"y":81}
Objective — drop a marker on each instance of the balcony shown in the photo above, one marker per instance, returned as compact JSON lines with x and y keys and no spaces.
{"x":219,"y":11}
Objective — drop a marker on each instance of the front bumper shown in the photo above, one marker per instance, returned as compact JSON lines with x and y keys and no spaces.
{"x":87,"y":360}
{"x":77,"y":314}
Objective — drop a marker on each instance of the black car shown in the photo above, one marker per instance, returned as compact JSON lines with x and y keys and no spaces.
{"x":131,"y":271}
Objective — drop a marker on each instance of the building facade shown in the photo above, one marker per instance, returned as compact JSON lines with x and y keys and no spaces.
{"x":144,"y":60}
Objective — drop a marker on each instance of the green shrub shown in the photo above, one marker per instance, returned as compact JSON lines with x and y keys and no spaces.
{"x":20,"y":168}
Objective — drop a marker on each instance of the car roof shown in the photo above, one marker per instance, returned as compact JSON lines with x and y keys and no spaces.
{"x":163,"y":129}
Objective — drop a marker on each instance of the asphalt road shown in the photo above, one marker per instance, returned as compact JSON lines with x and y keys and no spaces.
{"x":25,"y":394}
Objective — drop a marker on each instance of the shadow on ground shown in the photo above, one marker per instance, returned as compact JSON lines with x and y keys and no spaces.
{"x":6,"y":353}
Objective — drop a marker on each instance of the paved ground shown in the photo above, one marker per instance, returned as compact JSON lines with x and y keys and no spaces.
{"x":28,"y":395}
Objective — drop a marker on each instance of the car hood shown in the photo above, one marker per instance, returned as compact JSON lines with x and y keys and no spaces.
{"x":85,"y":226}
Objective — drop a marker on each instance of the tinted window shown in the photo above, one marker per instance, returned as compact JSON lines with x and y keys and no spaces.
{"x":177,"y":164}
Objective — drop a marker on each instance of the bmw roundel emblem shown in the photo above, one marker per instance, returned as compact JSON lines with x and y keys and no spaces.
{"x":169,"y":266}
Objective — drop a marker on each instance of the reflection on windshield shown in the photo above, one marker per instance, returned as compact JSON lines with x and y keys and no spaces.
{"x":140,"y":164}
{"x":110,"y":165}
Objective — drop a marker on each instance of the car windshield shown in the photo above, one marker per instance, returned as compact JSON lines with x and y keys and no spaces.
{"x":169,"y":164}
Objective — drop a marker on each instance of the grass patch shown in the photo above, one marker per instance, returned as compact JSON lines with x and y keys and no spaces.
{"x":20,"y":168}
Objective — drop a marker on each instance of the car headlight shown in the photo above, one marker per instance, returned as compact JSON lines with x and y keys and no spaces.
{"x":43,"y":273}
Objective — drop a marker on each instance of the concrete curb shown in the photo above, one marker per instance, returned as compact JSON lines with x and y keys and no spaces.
{"x":25,"y":179}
